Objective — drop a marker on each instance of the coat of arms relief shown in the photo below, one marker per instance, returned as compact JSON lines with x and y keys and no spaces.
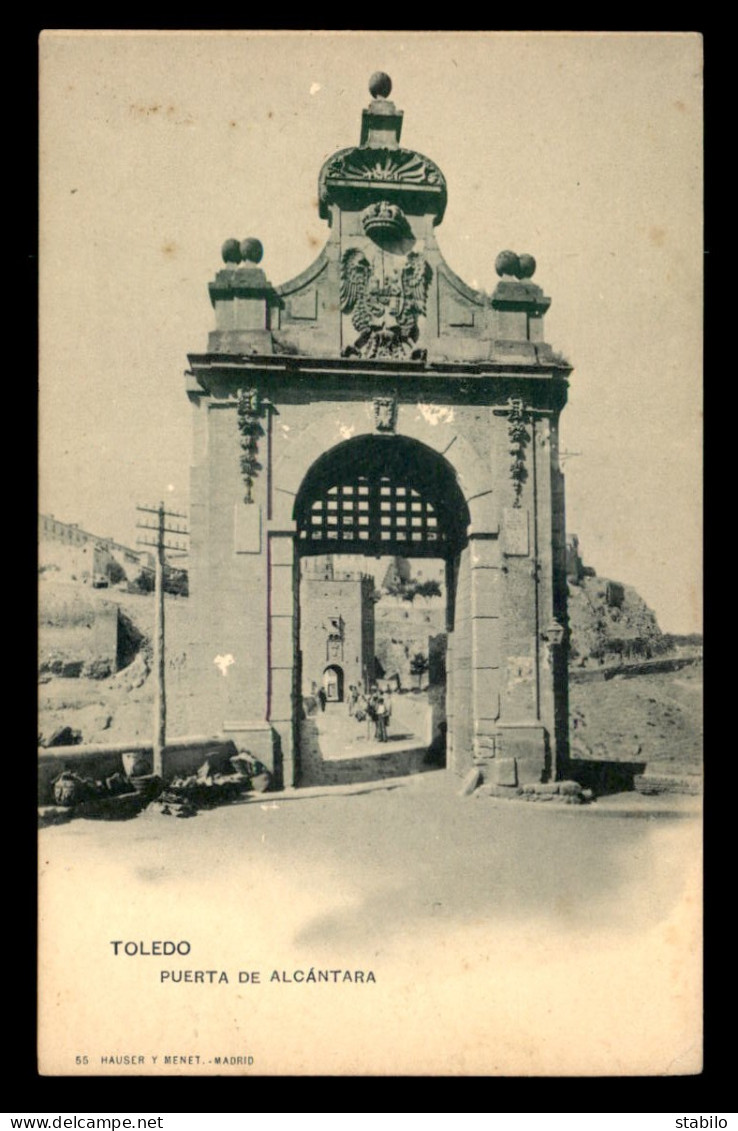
{"x":385,"y":297}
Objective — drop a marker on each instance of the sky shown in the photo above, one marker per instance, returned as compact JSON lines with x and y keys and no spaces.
{"x":583,"y":149}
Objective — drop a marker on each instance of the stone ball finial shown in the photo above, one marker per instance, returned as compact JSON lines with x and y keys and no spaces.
{"x":507,"y":263}
{"x":231,"y":251}
{"x":251,"y":250}
{"x":526,"y":266}
{"x":380,"y":85}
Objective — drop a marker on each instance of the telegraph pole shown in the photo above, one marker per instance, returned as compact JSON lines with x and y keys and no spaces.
{"x":160,"y":545}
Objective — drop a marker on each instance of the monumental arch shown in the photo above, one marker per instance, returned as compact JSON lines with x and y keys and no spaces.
{"x":378,"y":404}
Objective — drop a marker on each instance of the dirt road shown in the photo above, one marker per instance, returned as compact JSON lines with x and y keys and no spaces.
{"x":502,"y":938}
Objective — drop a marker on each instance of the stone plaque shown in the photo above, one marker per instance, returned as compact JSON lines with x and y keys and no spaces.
{"x":516,"y":540}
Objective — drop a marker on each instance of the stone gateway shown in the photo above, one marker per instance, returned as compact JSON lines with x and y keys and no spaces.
{"x":378,"y":405}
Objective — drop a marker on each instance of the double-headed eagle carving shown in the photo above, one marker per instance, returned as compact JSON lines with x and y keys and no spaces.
{"x":385,"y":305}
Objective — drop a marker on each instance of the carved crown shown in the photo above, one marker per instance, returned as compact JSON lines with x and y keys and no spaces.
{"x":384,"y":219}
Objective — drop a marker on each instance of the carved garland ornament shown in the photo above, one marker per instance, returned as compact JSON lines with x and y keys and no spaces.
{"x":249,"y":412}
{"x":384,"y":310}
{"x":518,"y":436}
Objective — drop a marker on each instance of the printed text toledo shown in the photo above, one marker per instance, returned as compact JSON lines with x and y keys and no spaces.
{"x":167,"y":948}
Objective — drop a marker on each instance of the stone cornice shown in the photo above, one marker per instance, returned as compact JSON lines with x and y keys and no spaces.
{"x":477,"y":382}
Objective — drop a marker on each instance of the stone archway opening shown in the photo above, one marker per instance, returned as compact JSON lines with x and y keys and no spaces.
{"x":381,"y":524}
{"x":333,"y":683}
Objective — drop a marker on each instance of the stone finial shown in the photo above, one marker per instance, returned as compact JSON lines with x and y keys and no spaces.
{"x":252,"y":250}
{"x":518,"y":266}
{"x":380,"y":85}
{"x":231,"y":251}
{"x":507,"y":264}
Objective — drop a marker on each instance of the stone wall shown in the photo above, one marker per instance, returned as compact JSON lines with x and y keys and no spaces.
{"x":77,"y":636}
{"x":403,"y":628}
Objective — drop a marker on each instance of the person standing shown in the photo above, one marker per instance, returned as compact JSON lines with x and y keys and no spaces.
{"x":353,"y":697}
{"x":371,"y":714}
{"x":381,"y":710}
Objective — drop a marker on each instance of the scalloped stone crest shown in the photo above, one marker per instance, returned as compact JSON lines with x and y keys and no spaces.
{"x":384,"y":165}
{"x":367,"y":167}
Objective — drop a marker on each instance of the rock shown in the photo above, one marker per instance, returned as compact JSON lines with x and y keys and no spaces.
{"x":97,"y":669}
{"x":54,"y":815}
{"x":470,"y":782}
{"x":117,"y":783}
{"x":119,"y":807}
{"x":62,"y":736}
{"x":136,"y":764}
{"x":148,"y":786}
{"x":170,"y":804}
{"x":135,"y":674}
{"x":218,"y":761}
{"x":547,"y":787}
{"x":569,"y":788}
{"x":242,"y":765}
{"x":71,"y":789}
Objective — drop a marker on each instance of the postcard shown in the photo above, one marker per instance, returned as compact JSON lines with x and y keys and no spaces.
{"x":369,"y":554}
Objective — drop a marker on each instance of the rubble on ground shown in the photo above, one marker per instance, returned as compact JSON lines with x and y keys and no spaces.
{"x":124,"y":796}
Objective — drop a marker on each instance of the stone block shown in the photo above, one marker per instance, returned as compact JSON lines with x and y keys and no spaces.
{"x":281,"y":697}
{"x":485,"y":552}
{"x":512,"y":326}
{"x":569,"y":788}
{"x":487,"y":643}
{"x":528,"y":746}
{"x":518,"y":350}
{"x":281,"y":550}
{"x":484,"y":515}
{"x":486,"y":593}
{"x":282,"y":642}
{"x":487,"y":692}
{"x":472,"y":780}
{"x":282,"y":597}
{"x":256,"y":738}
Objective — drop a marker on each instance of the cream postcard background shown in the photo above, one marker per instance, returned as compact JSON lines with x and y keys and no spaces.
{"x":583,"y":149}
